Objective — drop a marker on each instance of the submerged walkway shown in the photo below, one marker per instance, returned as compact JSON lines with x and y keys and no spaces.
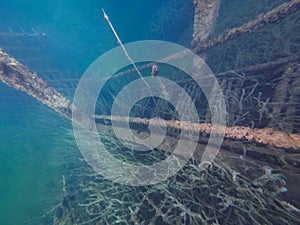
{"x":18,"y":76}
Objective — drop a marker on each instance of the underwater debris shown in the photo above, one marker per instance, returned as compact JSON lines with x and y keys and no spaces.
{"x":23,"y":33}
{"x":285,"y":99}
{"x":19,"y":77}
{"x":193,"y":196}
{"x":273,"y":16}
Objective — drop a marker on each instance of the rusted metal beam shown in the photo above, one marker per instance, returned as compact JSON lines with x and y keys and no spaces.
{"x":18,"y":76}
{"x":205,"y":16}
{"x":264,"y":136}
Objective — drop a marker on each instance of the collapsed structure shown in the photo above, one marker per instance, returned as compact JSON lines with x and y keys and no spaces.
{"x":262,"y":138}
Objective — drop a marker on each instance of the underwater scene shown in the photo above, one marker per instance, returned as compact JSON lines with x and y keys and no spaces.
{"x":153,"y":112}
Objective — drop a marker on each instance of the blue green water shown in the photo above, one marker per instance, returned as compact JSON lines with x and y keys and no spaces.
{"x":34,"y":140}
{"x":29,"y":173}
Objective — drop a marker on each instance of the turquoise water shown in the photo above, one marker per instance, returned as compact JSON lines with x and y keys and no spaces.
{"x":31,"y":158}
{"x":34,"y":140}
